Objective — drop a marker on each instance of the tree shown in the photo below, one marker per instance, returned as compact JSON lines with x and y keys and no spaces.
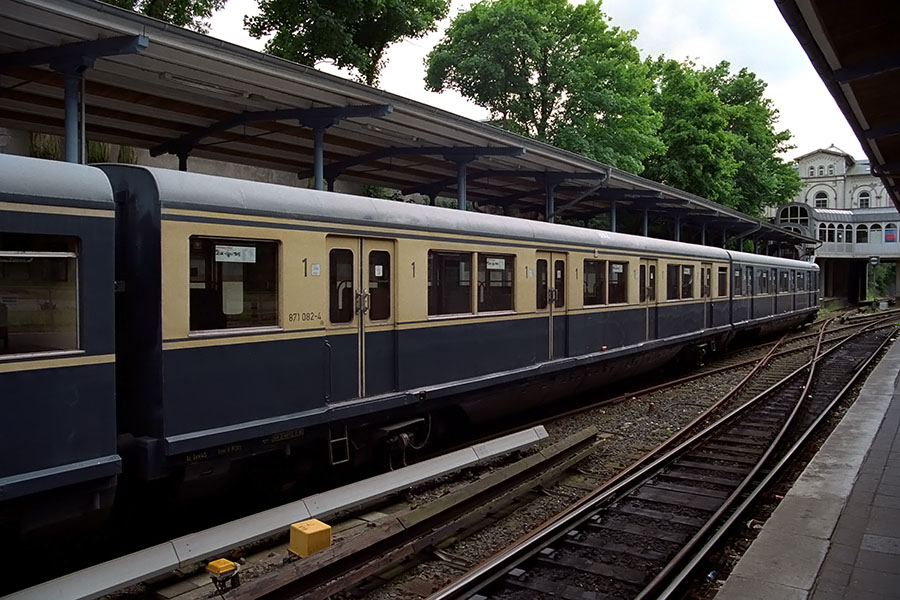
{"x":352,"y":33}
{"x":184,"y":13}
{"x":698,"y":156}
{"x":552,"y":71}
{"x":762,"y":179}
{"x":719,"y":131}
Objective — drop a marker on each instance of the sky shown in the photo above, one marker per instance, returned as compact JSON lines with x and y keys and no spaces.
{"x":746,"y":33}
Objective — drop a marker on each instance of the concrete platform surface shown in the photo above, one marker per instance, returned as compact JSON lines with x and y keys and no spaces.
{"x":836,"y":534}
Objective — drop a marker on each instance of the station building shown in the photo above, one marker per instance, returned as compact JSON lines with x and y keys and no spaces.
{"x":848,"y":210}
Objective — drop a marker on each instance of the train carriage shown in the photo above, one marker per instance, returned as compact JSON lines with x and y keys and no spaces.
{"x":57,"y":350}
{"x":251,"y":320}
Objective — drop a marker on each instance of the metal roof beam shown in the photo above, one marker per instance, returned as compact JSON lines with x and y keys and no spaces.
{"x":605,"y":193}
{"x":866,"y":69}
{"x":84,"y":54}
{"x":539,"y":176}
{"x":882,"y":131}
{"x":319,"y":119}
{"x":451,"y":153}
{"x":891,"y":168}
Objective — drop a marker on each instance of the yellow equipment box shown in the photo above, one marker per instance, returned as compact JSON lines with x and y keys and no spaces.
{"x":309,"y":537}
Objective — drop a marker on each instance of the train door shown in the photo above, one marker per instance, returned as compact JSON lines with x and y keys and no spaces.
{"x":706,"y":293}
{"x":550,"y":275}
{"x":361,"y":343}
{"x":647,"y":271}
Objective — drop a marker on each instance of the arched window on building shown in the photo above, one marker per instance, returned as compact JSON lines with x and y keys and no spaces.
{"x":848,"y":234}
{"x":794,"y":214}
{"x":821,"y":170}
{"x":822,"y":232}
{"x":821,"y":200}
{"x":890,"y":233}
{"x":831,"y":169}
{"x":875,"y":236}
{"x":840,"y":234}
{"x":864,"y":198}
{"x":812,"y":172}
{"x":831,"y":232}
{"x":862,"y":235}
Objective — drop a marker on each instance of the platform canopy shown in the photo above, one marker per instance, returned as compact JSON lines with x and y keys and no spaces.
{"x":855,"y":47}
{"x":152,"y":85}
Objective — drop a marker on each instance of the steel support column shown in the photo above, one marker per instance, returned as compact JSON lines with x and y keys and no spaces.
{"x":646,"y":225}
{"x":703,"y":234}
{"x":72,"y":90}
{"x":319,"y":158}
{"x":612,"y":216}
{"x":677,"y":229}
{"x":550,"y":206}
{"x":461,"y":184}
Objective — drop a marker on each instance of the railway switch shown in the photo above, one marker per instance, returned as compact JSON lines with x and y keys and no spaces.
{"x":223,"y":573}
{"x":309,"y":537}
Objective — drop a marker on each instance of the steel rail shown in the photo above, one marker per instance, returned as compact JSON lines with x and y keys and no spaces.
{"x":688,"y":549}
{"x":626,"y":482}
{"x":678,"y":580}
{"x":619,"y":486}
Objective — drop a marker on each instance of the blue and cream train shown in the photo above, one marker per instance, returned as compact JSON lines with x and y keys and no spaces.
{"x":161,"y":325}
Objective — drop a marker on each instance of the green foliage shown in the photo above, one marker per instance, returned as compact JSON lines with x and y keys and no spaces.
{"x":45,"y":145}
{"x":699,"y":148}
{"x":184,"y":13}
{"x":97,"y":152}
{"x":352,"y":33}
{"x":552,"y":71}
{"x":127,"y":155}
{"x":882,"y":280}
{"x":719,"y":131}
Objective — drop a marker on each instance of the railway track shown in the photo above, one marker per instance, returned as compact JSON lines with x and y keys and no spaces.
{"x":768,"y":363}
{"x":639,"y":536}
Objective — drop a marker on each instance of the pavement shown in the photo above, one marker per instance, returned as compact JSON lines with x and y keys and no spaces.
{"x":836,"y":534}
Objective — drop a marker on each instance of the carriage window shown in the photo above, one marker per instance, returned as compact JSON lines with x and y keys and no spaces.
{"x":748,"y":280}
{"x":672,"y":290}
{"x":542,"y":286}
{"x":738,"y":282}
{"x":379,"y":285}
{"x":449,"y":283}
{"x":785,"y":284}
{"x":705,"y":282}
{"x":594,"y":282}
{"x":234,"y":283}
{"x":38,"y":293}
{"x":495,"y":282}
{"x":618,"y":283}
{"x":762,"y":282}
{"x":723,"y":282}
{"x":801,"y":281}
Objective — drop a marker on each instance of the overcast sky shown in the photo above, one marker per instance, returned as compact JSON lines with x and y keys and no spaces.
{"x":746,"y":33}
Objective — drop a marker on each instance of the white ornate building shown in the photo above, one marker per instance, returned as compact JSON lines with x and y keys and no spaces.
{"x":849,"y":211}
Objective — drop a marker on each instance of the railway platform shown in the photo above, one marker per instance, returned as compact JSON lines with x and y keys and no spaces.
{"x":836,"y":534}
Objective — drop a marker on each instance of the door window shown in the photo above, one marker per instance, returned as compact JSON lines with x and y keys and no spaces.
{"x":542,"y":286}
{"x":379,"y":285}
{"x":340,"y":285}
{"x":559,"y":283}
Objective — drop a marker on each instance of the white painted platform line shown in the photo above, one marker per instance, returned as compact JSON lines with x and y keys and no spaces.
{"x":128,"y":570}
{"x":784,"y":560}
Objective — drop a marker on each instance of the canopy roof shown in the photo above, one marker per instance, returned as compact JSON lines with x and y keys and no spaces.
{"x":156,"y":86}
{"x":855,"y":48}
